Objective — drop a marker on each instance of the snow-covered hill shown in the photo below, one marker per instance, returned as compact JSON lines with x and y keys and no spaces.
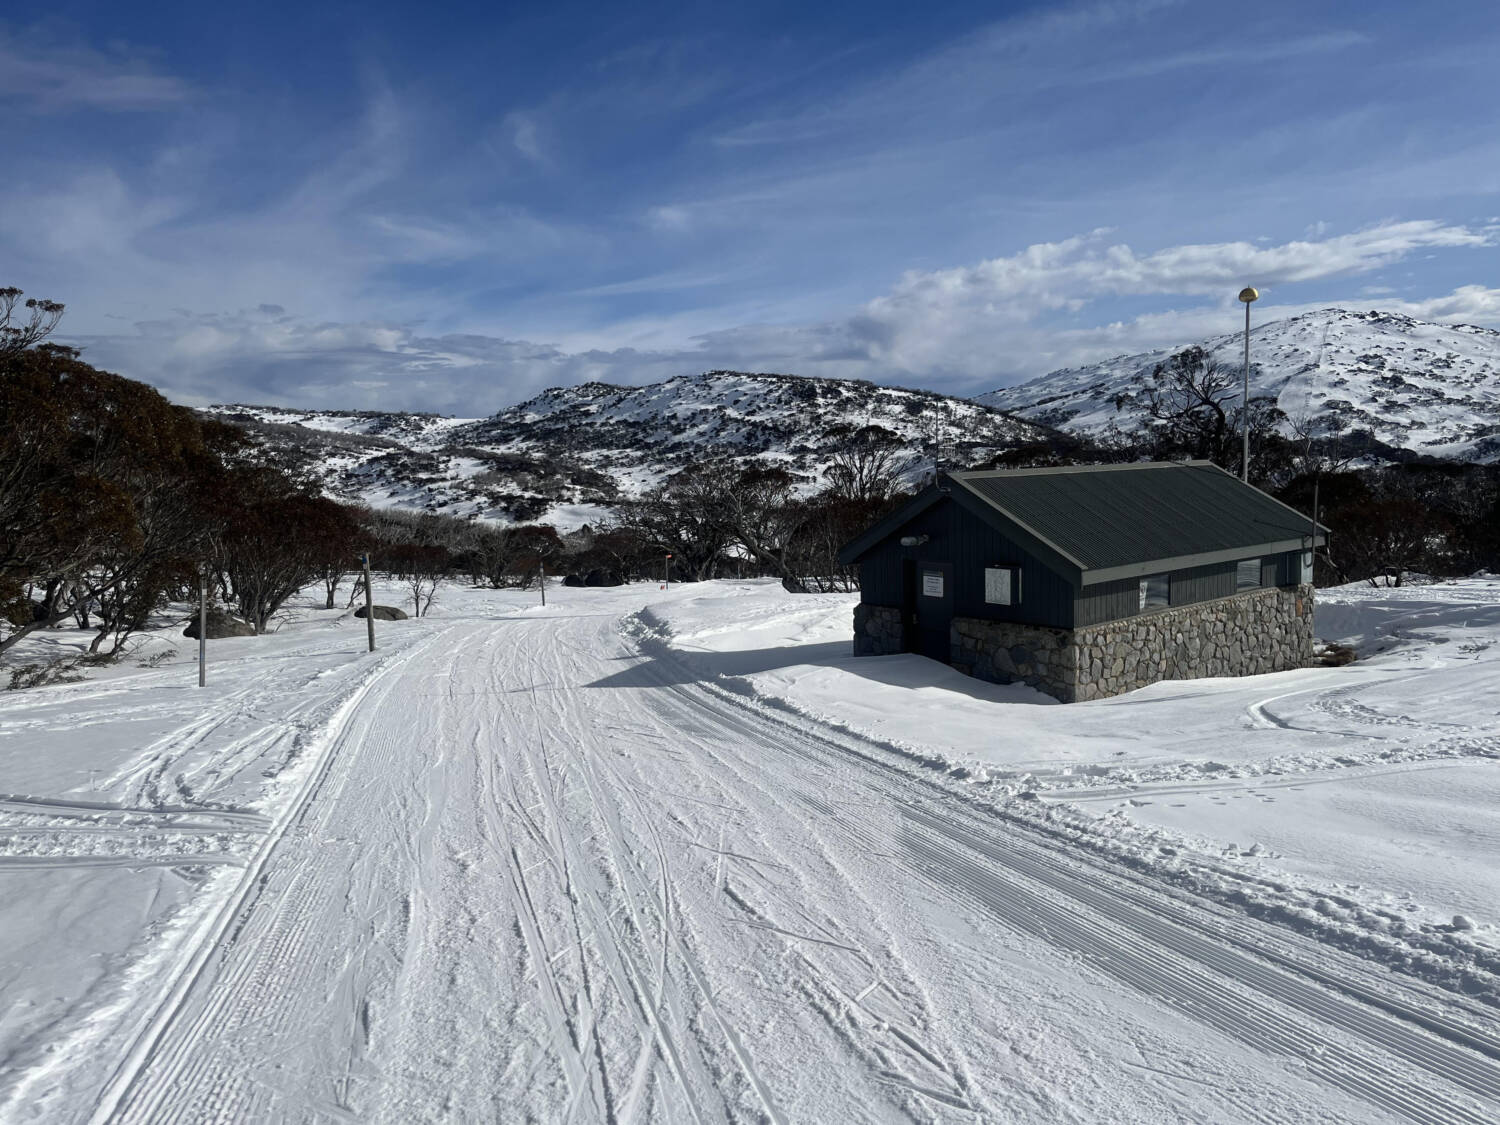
{"x":569,"y":453}
{"x":1429,"y":388}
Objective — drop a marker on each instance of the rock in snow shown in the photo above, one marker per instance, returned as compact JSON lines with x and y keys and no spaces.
{"x":383,"y":613}
{"x":220,"y":625}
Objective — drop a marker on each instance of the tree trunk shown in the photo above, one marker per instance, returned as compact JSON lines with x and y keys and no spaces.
{"x":777,"y":563}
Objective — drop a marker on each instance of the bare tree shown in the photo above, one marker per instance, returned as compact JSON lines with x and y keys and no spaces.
{"x":868,"y":466}
{"x":423,"y":567}
{"x":1192,"y":409}
{"x":757,"y":504}
{"x":683,"y":517}
{"x":1189,"y":400}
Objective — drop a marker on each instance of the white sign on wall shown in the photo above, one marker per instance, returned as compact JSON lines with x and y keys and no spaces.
{"x":932,"y":583}
{"x":997,"y":585}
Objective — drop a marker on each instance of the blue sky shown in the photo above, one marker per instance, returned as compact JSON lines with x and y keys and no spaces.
{"x":408,"y":207}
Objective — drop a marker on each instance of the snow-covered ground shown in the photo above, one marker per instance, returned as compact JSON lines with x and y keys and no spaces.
{"x":1378,"y":782}
{"x":674,"y":855}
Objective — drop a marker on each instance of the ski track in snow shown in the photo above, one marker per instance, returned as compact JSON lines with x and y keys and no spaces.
{"x":524,"y":872}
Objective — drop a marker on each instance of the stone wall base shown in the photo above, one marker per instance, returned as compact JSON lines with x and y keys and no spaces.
{"x":877,"y":630}
{"x":1268,"y":630}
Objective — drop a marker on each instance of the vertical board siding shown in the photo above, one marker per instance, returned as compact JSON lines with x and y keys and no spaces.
{"x":1107,"y":601}
{"x":1287,"y":567}
{"x":1047,"y":598}
{"x":956,"y":535}
{"x":1121,"y":598}
{"x":1202,"y":583}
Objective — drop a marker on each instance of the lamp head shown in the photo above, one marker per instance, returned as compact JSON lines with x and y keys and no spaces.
{"x":1248,"y":294}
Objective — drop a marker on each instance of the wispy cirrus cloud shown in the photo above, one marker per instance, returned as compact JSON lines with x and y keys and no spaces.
{"x":458,"y":216}
{"x":40,"y":77}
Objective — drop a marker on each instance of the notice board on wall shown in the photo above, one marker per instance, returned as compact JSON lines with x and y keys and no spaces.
{"x":1000,"y":585}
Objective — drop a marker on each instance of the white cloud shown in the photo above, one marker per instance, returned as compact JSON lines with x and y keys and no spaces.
{"x":1468,"y":304}
{"x":525,"y":136}
{"x":48,"y":78}
{"x":1053,"y":274}
{"x":964,"y":330}
{"x":1010,"y":316}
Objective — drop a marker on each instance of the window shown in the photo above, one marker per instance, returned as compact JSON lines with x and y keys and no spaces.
{"x":932,"y":583}
{"x":1002,"y":585}
{"x":1247,"y":574}
{"x":1155,"y":591}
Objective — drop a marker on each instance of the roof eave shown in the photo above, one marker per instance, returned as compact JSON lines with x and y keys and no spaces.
{"x":852,"y":551}
{"x":1052,"y":555}
{"x":1206,"y":558}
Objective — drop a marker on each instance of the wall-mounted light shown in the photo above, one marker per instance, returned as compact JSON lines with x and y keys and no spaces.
{"x":913,"y":540}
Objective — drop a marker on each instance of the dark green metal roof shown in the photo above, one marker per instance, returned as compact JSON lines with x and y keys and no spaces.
{"x":1103,"y":522}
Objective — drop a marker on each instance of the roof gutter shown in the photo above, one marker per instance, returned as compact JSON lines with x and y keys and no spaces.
{"x":1182,"y":562}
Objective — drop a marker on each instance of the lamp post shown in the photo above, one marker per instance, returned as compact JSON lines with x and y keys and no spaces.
{"x":1247,"y":295}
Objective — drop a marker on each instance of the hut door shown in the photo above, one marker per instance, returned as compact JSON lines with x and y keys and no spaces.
{"x":911,"y":637}
{"x":934,"y":596}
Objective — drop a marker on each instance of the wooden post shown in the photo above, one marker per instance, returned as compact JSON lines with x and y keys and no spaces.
{"x":666,"y":572}
{"x":202,"y":624}
{"x":369,"y":601}
{"x":543,"y":568}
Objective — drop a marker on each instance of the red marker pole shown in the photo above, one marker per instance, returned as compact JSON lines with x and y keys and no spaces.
{"x":666,"y":572}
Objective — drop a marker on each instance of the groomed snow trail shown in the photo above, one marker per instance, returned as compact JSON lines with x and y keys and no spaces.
{"x":536,"y":875}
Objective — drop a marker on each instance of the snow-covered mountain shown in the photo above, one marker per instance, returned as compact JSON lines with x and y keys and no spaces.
{"x":570,"y":452}
{"x":1430,"y":388}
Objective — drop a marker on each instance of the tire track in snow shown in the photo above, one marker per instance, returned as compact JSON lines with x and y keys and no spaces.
{"x":1221,"y":987}
{"x":1122,"y":922}
{"x":893,"y":1023}
{"x":661,"y":1019}
{"x":170,"y":1047}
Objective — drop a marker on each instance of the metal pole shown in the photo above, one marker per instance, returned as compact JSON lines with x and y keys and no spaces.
{"x":1245,"y":464}
{"x":1312,"y":555}
{"x":666,"y":572}
{"x":202,"y":624}
{"x":369,"y":601}
{"x":543,"y":568}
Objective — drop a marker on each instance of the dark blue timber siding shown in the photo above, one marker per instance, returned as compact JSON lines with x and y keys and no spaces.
{"x":1111,"y":601}
{"x":1107,"y":601}
{"x":957,"y":536}
{"x":1202,"y":583}
{"x":1284,"y":569}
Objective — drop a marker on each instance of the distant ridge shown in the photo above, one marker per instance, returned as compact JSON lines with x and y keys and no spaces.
{"x":1429,"y":388}
{"x":569,"y":453}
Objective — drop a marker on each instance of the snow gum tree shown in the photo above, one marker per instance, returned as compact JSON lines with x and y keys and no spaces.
{"x":98,"y":486}
{"x":276,"y":540}
{"x":1193,"y":407}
